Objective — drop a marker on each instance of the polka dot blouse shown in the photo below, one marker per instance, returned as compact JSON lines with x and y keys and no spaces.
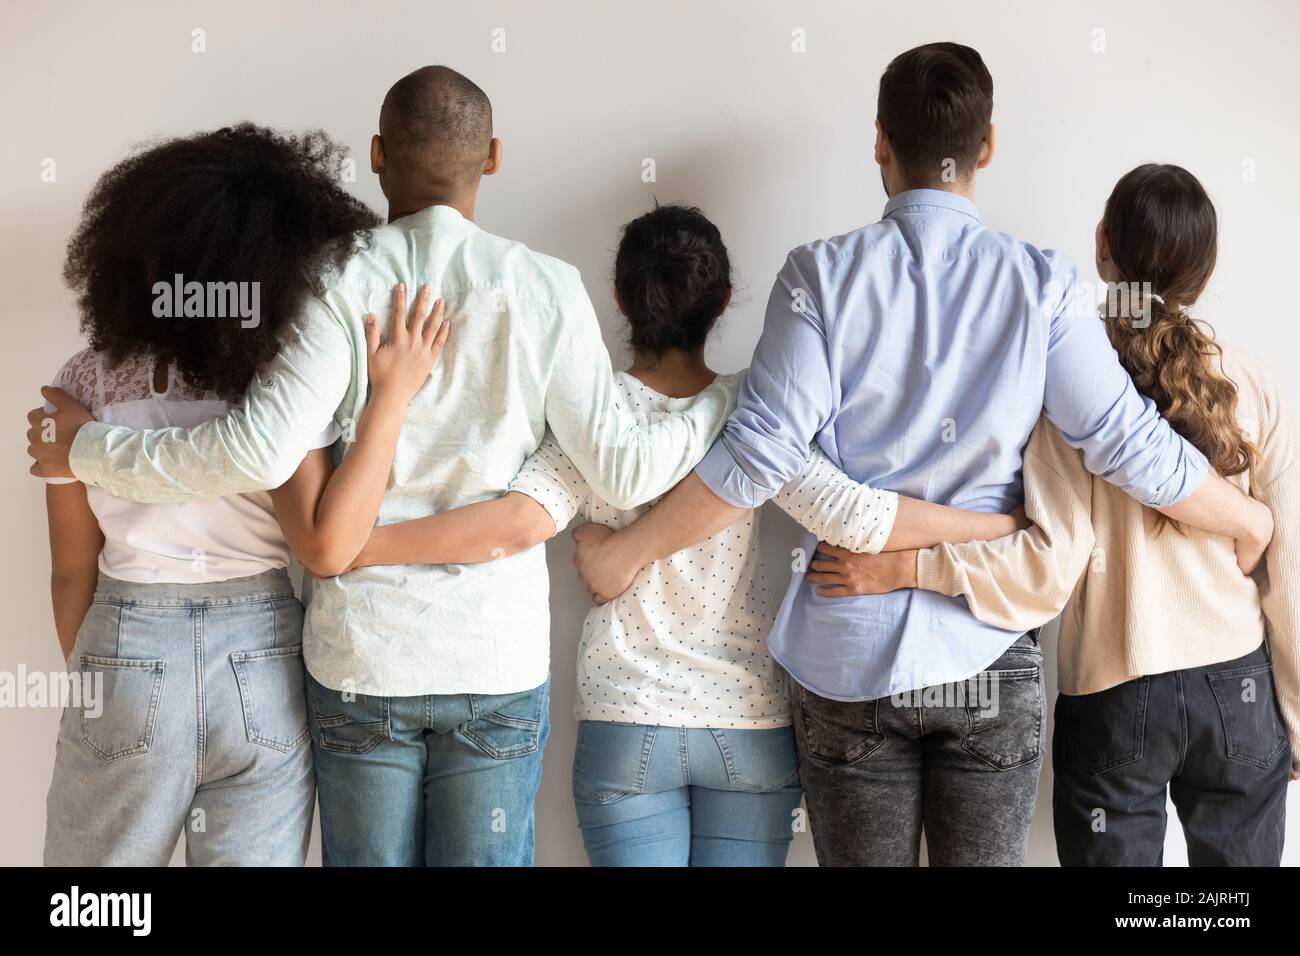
{"x":686,"y":645}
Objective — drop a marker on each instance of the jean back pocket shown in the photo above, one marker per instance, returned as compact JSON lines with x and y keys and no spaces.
{"x":129,"y":691}
{"x":1248,"y":705}
{"x":1103,"y":731}
{"x":272,"y":689}
{"x":838,"y":731}
{"x":1005,"y":710}
{"x":505,"y":726}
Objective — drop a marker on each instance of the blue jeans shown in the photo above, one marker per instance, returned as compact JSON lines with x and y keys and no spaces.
{"x":202,"y":728}
{"x":436,"y":780}
{"x":679,"y":796}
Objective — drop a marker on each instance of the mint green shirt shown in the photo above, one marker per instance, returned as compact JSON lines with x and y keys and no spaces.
{"x":525,"y":351}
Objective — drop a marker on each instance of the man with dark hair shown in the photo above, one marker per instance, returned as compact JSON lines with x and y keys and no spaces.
{"x":918,"y":352}
{"x":427,"y":686}
{"x":936,"y":110}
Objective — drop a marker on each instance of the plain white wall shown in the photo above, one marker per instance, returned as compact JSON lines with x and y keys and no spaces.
{"x":774,"y":144}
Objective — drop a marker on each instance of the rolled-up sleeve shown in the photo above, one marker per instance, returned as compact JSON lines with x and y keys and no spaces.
{"x":1089,"y":396}
{"x":786,"y":400}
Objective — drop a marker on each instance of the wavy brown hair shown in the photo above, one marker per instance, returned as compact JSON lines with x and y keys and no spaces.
{"x":1161,"y":229}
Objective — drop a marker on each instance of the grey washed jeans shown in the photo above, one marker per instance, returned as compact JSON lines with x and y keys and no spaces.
{"x":203,"y":729}
{"x":958,"y":761}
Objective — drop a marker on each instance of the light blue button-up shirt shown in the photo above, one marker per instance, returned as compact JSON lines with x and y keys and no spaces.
{"x":918,"y":352}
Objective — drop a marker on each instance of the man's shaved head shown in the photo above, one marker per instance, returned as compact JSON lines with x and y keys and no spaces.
{"x":437,"y":123}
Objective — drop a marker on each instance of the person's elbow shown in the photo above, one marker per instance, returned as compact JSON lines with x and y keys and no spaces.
{"x":530,"y":525}
{"x":63,"y":577}
{"x":325,"y":558}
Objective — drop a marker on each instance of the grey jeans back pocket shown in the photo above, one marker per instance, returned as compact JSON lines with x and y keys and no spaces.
{"x":1005,"y":710}
{"x":835,"y":730}
{"x":272,"y":688}
{"x":128,"y":695}
{"x":1248,"y":705}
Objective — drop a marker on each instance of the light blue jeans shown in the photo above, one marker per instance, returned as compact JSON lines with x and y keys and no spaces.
{"x":438,"y":780}
{"x":203,"y":729}
{"x":678,"y":796}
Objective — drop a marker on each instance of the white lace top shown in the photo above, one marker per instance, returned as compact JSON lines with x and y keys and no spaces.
{"x":212,"y":539}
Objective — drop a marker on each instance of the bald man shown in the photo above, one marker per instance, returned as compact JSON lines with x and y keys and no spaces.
{"x":427,"y":685}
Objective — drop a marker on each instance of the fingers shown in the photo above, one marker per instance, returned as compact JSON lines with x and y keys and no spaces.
{"x":36,"y":417}
{"x":440,"y":336}
{"x":827,"y":548}
{"x":834,"y":592}
{"x":56,"y":396}
{"x":372,"y":333}
{"x":434,"y":324}
{"x":397,"y":313}
{"x":815,"y":577}
{"x":420,"y":311}
{"x":826,"y":567}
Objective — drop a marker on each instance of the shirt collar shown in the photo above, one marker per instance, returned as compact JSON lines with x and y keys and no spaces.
{"x":931,"y":198}
{"x":443,"y":216}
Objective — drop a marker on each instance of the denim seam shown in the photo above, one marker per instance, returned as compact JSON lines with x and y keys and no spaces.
{"x":684,"y":752}
{"x":200,"y":699}
{"x":720,"y":738}
{"x":1182,"y":718}
{"x":187,"y":603}
{"x":647,"y":750}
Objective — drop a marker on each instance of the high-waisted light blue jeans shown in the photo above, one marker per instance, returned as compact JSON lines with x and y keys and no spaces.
{"x":203,"y":729}
{"x":679,"y":796}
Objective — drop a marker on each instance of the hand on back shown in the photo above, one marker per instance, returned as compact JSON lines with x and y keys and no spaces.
{"x":400,"y":364}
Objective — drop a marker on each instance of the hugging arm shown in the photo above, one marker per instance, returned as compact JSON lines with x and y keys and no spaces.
{"x":856,"y":517}
{"x":626,"y":461}
{"x":1017,"y":582}
{"x":543,"y":498}
{"x":765,"y":451}
{"x":327,"y":514}
{"x":847,"y":516}
{"x":257,"y":445}
{"x":1089,"y":396}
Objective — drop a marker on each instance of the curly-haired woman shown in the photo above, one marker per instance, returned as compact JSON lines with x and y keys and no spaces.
{"x":190,"y":261}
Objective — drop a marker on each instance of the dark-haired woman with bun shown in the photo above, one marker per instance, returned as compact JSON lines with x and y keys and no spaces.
{"x":191,"y":260}
{"x":685,"y":753}
{"x":1179,"y":675}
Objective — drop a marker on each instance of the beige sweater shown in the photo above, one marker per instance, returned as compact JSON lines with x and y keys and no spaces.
{"x":1138,"y":601}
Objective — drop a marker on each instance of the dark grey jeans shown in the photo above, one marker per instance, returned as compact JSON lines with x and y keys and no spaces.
{"x":957,"y":761}
{"x":1209,"y":738}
